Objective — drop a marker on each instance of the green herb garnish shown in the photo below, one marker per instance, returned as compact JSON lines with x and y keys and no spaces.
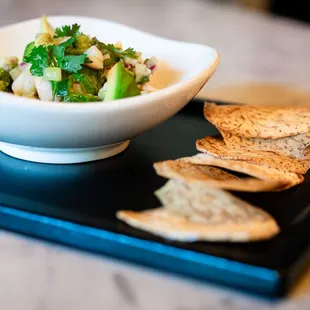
{"x":73,"y":64}
{"x":65,"y":65}
{"x":129,"y":52}
{"x":114,"y":53}
{"x":39,"y":59}
{"x":44,"y":56}
{"x":79,"y":97}
{"x":61,"y":88}
{"x":66,"y":31}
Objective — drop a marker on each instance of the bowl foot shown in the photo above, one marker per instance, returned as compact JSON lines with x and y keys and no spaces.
{"x":62,"y":156}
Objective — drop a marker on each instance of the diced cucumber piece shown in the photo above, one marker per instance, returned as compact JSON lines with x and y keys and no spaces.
{"x":52,"y":74}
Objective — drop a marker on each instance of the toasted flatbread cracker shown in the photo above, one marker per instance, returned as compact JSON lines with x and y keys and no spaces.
{"x":212,"y":204}
{"x":267,"y":122}
{"x":290,"y":146}
{"x":261,"y":172}
{"x":202,"y":214}
{"x":216,"y":147}
{"x":203,"y":174}
{"x":177,"y":227}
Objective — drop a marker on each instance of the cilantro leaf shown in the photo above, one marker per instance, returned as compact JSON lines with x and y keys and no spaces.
{"x":114,"y":53}
{"x":59,"y":50}
{"x":104,"y":50}
{"x":78,"y":97}
{"x":68,"y":63}
{"x":129,"y":52}
{"x":73,"y":64}
{"x":69,"y":41}
{"x":54,"y":88}
{"x":66,"y":31}
{"x":59,"y":53}
{"x":39,"y":59}
{"x":61,"y":88}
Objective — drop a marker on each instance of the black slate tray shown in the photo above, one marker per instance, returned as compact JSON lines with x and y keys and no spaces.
{"x":76,"y":204}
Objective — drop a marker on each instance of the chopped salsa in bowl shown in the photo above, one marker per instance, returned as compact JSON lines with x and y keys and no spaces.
{"x":66,"y":65}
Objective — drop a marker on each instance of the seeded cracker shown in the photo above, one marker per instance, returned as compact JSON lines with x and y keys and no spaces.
{"x":193,"y":173}
{"x":194,"y":213}
{"x":267,"y":122}
{"x":261,"y":172}
{"x":216,"y":147}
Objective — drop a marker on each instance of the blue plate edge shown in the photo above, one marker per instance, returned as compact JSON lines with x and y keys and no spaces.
{"x":195,"y":265}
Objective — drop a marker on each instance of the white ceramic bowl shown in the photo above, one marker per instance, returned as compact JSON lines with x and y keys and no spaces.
{"x":78,"y":132}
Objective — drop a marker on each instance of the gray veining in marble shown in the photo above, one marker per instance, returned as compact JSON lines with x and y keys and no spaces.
{"x":39,"y":276}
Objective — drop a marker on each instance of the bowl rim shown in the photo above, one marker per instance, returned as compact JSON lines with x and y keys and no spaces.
{"x":137,"y":100}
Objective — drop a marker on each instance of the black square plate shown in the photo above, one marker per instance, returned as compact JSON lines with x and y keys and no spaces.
{"x":76,"y":205}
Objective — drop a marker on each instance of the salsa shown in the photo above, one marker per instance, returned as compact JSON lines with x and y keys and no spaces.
{"x":66,"y":65}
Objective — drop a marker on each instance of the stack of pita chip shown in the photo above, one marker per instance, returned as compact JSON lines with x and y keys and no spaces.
{"x":267,"y":145}
{"x":281,"y":130}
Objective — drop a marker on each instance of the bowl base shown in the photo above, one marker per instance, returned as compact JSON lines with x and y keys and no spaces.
{"x":62,"y":156}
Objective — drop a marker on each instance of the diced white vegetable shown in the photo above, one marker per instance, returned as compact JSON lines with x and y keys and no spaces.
{"x":151,"y":63}
{"x":130,"y":61}
{"x":14,"y":73}
{"x":23,"y":66}
{"x":95,"y":55}
{"x":102,"y":91}
{"x":141,"y":71}
{"x":44,"y":89}
{"x":24,"y":84}
{"x":8,"y":63}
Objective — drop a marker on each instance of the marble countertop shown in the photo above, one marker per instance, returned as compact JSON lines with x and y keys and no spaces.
{"x":263,"y":59}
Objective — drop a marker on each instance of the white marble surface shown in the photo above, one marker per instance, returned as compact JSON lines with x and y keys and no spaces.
{"x":39,"y":276}
{"x":262,"y":58}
